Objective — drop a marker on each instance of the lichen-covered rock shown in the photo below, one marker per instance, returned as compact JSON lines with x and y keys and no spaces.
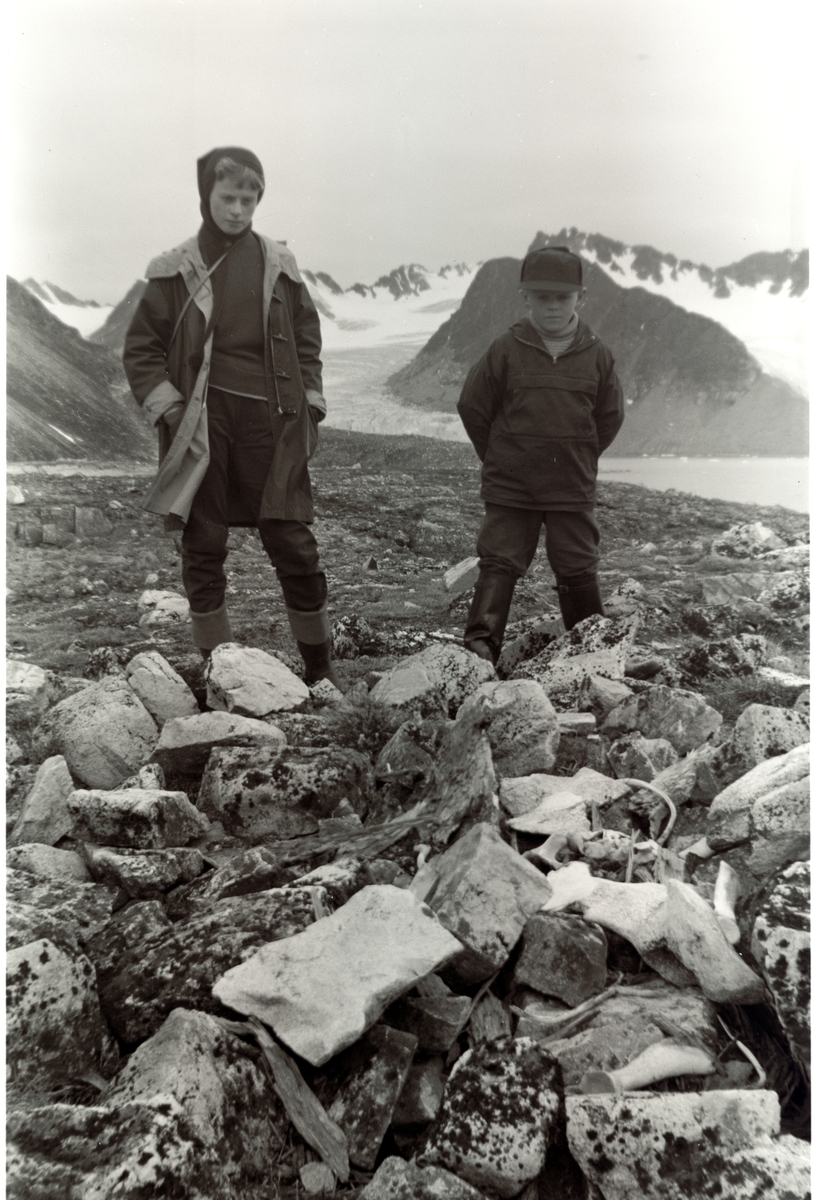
{"x":365,"y":1082}
{"x":421,"y":1095}
{"x":397,"y":1179}
{"x":435,"y":1020}
{"x":780,"y":942}
{"x":227,"y":1100}
{"x":760,"y":732}
{"x":136,"y":818}
{"x":322,"y":989}
{"x":682,"y":717}
{"x":161,"y":690}
{"x":177,"y":967}
{"x":44,"y":816}
{"x":104,"y":732}
{"x":559,"y":812}
{"x":728,"y":821}
{"x":562,"y":956}
{"x":185,"y":743}
{"x":463,"y":790}
{"x":143,"y":873}
{"x":48,"y":861}
{"x":635,"y":757}
{"x":498,"y":1116}
{"x":54,"y":1029}
{"x":436,"y":680}
{"x":81,"y":907}
{"x":595,"y":646}
{"x":252,"y":683}
{"x":676,"y":1145}
{"x":139,"y":921}
{"x":520,"y":722}
{"x":484,"y":893}
{"x":141,"y":1149}
{"x":282,"y":793}
{"x":246,"y":872}
{"x":599,"y":696}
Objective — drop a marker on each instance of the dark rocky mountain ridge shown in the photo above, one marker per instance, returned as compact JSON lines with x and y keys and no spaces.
{"x":691,"y":386}
{"x":66,"y":398}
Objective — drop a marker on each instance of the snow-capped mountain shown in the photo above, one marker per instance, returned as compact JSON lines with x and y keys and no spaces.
{"x":762,"y":299}
{"x":408,"y":303}
{"x":86,"y":316}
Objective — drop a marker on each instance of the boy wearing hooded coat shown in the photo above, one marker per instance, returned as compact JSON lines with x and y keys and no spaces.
{"x":539,"y":407}
{"x":223,"y":353}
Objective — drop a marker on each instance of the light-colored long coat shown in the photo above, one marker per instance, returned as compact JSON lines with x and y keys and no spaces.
{"x":163,"y":369}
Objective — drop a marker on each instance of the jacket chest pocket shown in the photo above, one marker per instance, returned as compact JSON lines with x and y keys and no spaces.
{"x":551,"y":406}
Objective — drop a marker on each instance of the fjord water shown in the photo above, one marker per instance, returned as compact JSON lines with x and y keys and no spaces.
{"x":358,"y":399}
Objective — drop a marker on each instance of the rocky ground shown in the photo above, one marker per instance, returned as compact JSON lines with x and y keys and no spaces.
{"x":505,"y":924}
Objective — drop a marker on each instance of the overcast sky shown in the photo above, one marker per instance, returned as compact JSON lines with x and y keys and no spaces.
{"x":396,"y":131}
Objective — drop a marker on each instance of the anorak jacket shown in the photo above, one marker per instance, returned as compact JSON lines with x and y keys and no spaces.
{"x":537,"y":422}
{"x":161,"y":372}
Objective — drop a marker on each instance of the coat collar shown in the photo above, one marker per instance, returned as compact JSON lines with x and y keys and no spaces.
{"x":526,"y":332}
{"x":186,"y":260}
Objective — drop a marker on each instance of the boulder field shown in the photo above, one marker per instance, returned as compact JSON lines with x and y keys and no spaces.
{"x":459,"y":932}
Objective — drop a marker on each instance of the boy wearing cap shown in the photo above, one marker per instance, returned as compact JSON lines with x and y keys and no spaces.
{"x":540,"y":407}
{"x":223,"y":353}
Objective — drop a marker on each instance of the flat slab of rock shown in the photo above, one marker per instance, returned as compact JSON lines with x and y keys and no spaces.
{"x":176,"y":967}
{"x":484,"y":893}
{"x":185,"y":743}
{"x":104,"y":732}
{"x":521,"y":724}
{"x":322,"y":989}
{"x":497,"y":1117}
{"x":159,"y":687}
{"x":675,"y":1145}
{"x":136,"y":818}
{"x":252,"y":683}
{"x":282,"y":793}
{"x":437,"y":679}
{"x":682,"y":717}
{"x":121,"y":933}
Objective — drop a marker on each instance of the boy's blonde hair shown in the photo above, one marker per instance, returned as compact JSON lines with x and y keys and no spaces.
{"x":236,"y":173}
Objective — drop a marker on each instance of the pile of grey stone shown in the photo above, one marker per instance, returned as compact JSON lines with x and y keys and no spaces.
{"x":494,"y":957}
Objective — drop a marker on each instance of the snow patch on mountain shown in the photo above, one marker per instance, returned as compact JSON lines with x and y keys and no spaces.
{"x":86,"y":316}
{"x":762,"y":299}
{"x":407,"y":304}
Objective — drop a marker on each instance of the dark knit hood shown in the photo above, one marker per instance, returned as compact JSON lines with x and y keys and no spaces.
{"x":214,"y":241}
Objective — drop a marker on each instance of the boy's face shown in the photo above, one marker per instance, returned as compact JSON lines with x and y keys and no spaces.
{"x":552,"y":310}
{"x":232,"y":206}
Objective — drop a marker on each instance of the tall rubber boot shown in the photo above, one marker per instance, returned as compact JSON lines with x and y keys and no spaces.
{"x":211,"y":629}
{"x":313,"y":636}
{"x":579,"y":597}
{"x":489,"y":610}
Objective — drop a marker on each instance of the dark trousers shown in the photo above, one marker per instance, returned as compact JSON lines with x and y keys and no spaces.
{"x":241,"y":447}
{"x":508,"y":540}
